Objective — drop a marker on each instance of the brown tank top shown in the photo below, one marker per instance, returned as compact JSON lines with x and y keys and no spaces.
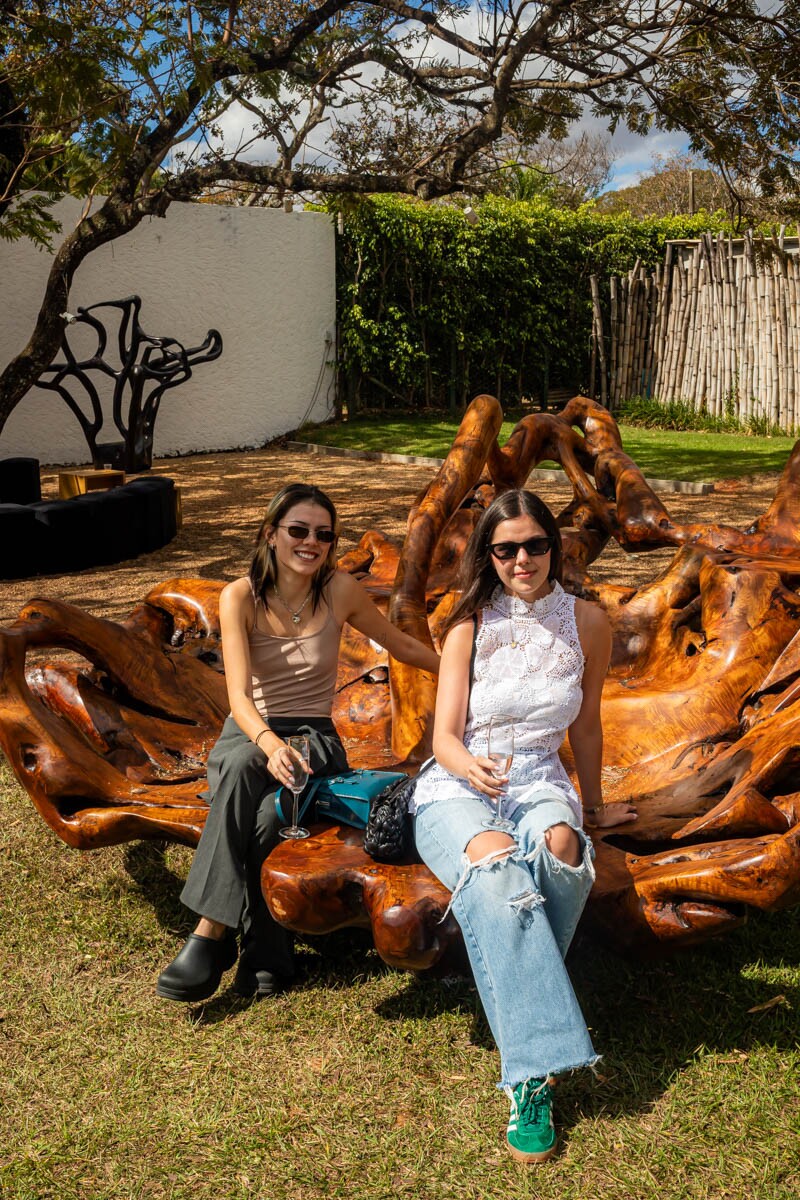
{"x":295,"y":676}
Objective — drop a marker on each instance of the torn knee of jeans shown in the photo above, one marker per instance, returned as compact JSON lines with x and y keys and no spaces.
{"x":539,"y":846}
{"x":493,"y":856}
{"x":587,"y":854}
{"x":492,"y":859}
{"x":558,"y":864}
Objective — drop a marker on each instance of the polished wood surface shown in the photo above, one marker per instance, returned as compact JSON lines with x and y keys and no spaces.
{"x":327,"y":882}
{"x":701,"y":709}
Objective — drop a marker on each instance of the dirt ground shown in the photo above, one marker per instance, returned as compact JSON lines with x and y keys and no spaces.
{"x":224,"y":496}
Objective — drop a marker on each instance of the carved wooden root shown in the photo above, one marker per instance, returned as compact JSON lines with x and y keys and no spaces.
{"x":701,"y":709}
{"x":329,"y":882}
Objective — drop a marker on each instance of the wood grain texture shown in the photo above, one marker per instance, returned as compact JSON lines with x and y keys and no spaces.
{"x":327,"y":882}
{"x":701,"y":709}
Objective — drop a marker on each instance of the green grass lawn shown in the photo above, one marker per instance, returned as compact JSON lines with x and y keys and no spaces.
{"x":661,"y":454}
{"x":362,"y":1083}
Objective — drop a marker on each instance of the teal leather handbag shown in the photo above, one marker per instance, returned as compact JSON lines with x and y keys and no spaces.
{"x":344,"y":798}
{"x":348,"y":797}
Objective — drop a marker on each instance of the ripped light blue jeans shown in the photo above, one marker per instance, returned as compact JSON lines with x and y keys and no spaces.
{"x":518,"y":914}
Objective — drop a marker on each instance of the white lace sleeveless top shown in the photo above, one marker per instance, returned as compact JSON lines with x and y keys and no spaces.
{"x":528,"y":665}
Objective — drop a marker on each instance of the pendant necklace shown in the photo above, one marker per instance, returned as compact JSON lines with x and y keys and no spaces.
{"x":293,"y":613}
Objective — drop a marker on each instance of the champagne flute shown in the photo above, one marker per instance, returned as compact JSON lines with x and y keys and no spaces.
{"x":299,"y":749}
{"x":500,"y":750}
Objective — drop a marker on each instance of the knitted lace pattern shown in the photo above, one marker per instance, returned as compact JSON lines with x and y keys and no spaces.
{"x":528,"y":666}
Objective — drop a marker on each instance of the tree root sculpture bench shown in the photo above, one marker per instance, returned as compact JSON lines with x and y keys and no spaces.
{"x":328,"y":882}
{"x":701,"y":709}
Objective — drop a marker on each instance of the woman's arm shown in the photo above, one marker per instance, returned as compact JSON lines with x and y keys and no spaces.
{"x":586,"y":731}
{"x":452,"y":702}
{"x":236,"y":617}
{"x":353,"y":605}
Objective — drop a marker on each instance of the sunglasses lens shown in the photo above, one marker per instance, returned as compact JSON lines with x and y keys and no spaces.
{"x":534,"y":547}
{"x":300,"y":532}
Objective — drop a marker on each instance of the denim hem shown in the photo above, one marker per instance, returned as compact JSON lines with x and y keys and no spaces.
{"x":591,"y":1063}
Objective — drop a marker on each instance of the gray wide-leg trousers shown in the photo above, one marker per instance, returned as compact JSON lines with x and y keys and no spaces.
{"x":224,"y":882}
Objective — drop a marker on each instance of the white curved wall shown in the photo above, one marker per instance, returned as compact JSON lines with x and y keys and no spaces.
{"x":264,"y":278}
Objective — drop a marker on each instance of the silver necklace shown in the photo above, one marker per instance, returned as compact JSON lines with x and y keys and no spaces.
{"x":293,"y":613}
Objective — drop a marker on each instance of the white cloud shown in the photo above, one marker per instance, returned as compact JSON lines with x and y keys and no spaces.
{"x":634,"y":154}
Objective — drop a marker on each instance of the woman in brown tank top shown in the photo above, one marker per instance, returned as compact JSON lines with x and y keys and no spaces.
{"x":281,"y":626}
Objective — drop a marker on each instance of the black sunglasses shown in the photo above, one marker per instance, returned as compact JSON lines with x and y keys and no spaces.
{"x":534,"y":547}
{"x":301,"y":532}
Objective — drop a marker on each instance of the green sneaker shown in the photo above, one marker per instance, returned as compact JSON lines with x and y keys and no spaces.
{"x":531,"y":1135}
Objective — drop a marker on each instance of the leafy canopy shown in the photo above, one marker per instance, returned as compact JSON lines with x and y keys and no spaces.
{"x":158,"y":101}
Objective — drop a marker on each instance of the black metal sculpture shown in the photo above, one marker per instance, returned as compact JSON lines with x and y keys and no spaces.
{"x":144,"y":360}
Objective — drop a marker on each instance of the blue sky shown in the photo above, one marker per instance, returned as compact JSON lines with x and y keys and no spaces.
{"x":634,"y":153}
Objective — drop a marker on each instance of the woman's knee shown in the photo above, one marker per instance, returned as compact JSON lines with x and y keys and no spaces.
{"x":562,"y":841}
{"x":491,"y":842}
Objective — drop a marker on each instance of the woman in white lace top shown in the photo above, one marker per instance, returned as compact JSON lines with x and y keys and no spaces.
{"x":518,"y":646}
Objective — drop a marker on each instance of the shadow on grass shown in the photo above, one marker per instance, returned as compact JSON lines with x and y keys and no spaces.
{"x":650,"y":1018}
{"x":145,"y":863}
{"x":333,"y":961}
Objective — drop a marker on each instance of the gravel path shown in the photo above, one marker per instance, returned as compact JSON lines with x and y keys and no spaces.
{"x":224,"y":497}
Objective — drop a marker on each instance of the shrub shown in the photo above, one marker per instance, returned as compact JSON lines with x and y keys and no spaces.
{"x":433,"y":310}
{"x":648,"y":413}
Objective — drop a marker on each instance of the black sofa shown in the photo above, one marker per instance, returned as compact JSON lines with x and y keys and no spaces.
{"x":52,"y":537}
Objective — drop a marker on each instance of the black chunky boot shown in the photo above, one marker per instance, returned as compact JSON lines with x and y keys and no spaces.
{"x":195,"y":972}
{"x":259,"y":983}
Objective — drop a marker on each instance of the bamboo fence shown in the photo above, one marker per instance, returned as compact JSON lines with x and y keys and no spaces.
{"x":717,"y":327}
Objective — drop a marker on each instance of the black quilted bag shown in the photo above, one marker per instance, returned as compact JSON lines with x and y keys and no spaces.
{"x":388,"y":835}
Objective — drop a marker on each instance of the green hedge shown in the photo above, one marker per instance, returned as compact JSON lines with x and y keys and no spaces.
{"x":433,"y":310}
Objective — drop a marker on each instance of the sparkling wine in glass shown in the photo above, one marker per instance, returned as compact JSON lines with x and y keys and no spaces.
{"x":501,"y":751}
{"x":300,"y":749}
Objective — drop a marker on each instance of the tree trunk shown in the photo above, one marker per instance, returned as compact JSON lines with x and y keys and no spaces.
{"x":113,"y":219}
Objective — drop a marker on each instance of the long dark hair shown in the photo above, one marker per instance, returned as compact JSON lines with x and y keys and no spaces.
{"x":263,"y":571}
{"x":477,"y":577}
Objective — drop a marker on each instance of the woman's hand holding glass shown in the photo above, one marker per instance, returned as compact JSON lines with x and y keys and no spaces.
{"x":281,"y":765}
{"x":299,"y":751}
{"x":488,"y":773}
{"x":482,"y":775}
{"x":500,"y":751}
